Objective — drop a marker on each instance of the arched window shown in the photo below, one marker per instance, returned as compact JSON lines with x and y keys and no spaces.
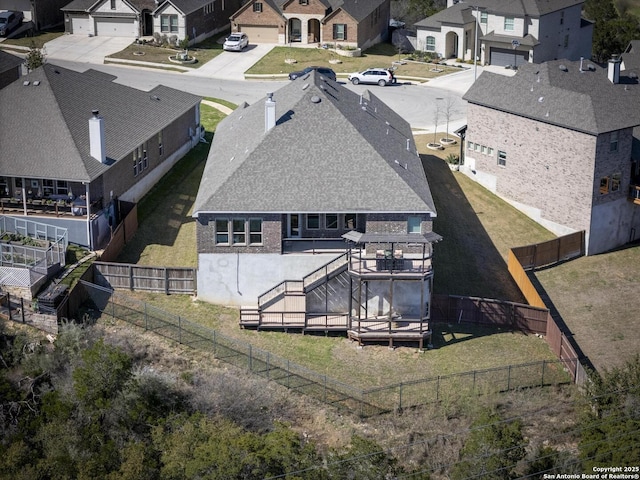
{"x":431,"y":44}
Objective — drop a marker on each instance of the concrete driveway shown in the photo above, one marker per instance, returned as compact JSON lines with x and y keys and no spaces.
{"x":232,"y":65}
{"x":84,"y":49}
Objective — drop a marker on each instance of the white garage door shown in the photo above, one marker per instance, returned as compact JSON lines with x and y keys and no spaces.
{"x":81,"y":25}
{"x":260,"y":34}
{"x":116,"y":27}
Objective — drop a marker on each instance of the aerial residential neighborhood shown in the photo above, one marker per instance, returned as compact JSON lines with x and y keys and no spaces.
{"x":226,"y":253}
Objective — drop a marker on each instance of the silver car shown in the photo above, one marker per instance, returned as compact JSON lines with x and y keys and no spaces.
{"x":236,"y":42}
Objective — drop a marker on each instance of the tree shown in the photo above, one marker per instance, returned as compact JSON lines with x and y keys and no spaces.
{"x":611,"y":428}
{"x":35,"y":58}
{"x":492,"y":450}
{"x":612,"y":32}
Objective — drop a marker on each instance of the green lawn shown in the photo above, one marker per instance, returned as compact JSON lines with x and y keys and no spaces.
{"x":37,"y":39}
{"x":381,"y":55}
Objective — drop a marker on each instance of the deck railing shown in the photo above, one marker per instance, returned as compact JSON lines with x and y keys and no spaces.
{"x":284,"y":287}
{"x":48,"y":207}
{"x":325,"y":270}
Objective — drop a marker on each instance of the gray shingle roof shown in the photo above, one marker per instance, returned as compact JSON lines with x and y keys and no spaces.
{"x":185,"y":6}
{"x":8,"y":61}
{"x":358,"y":9}
{"x":330,"y":151}
{"x":584,"y":101}
{"x":86,"y":5}
{"x":460,"y":13}
{"x":47,"y":127}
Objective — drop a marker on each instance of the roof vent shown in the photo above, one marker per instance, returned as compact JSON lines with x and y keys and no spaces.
{"x":541,"y":99}
{"x":155,"y":97}
{"x":563,"y":68}
{"x":26,"y":83}
{"x":591,"y":67}
{"x":633,"y":75}
{"x":315,"y":99}
{"x":36,"y":83}
{"x":305,"y":86}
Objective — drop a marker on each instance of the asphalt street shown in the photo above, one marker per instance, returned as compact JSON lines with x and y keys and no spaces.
{"x":423,"y":105}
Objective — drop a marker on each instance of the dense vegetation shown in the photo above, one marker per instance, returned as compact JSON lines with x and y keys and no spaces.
{"x":87,"y":407}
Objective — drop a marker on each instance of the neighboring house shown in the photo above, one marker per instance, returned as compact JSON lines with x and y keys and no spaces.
{"x":197,"y":19}
{"x":558,"y":141}
{"x":43,"y":13}
{"x":507,"y":33}
{"x":289,"y":180}
{"x":73,"y":143}
{"x":345,"y":22}
{"x":10,"y":68}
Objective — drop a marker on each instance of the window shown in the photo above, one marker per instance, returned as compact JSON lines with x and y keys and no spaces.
{"x":484,"y":150}
{"x":502,"y":158}
{"x":414,"y":225}
{"x":313,"y":221}
{"x":613,"y":141}
{"x":508,"y":24}
{"x":470,"y":145}
{"x":47,"y":187}
{"x":239,"y":232}
{"x":490,"y":151}
{"x":208,"y":8}
{"x":222,"y":231}
{"x":169,"y":23}
{"x":350,"y":221}
{"x":477,"y":147}
{"x":113,"y":4}
{"x":562,"y":18}
{"x":331,"y":221}
{"x":160,"y":142}
{"x":304,"y":2}
{"x":140,"y":159}
{"x":431,"y":44}
{"x":484,"y":17}
{"x":339,"y":31}
{"x":255,"y":231}
{"x":62,"y":187}
{"x":615,"y":182}
{"x":257,"y":7}
{"x":604,"y":185}
{"x":566,"y":41}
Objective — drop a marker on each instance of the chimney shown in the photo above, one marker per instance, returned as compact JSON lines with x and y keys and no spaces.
{"x":269,"y":113}
{"x":97,"y":146}
{"x":613,"y":70}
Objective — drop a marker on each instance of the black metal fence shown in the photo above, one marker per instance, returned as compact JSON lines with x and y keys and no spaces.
{"x":364,"y":402}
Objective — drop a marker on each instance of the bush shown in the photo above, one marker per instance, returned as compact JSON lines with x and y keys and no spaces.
{"x":453,"y":159}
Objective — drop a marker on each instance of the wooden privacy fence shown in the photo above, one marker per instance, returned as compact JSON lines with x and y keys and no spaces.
{"x":554,"y":251}
{"x":123,"y":233}
{"x":488,"y":312}
{"x":166,"y":280}
{"x":543,"y":254}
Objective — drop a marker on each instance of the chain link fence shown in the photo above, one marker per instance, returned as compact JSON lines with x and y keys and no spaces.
{"x":364,"y":402}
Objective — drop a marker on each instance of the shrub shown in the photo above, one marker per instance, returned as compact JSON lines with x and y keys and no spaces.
{"x":453,"y":159}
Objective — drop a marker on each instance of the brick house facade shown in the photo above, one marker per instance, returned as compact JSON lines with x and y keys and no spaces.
{"x":314,"y":22}
{"x":554,"y":151}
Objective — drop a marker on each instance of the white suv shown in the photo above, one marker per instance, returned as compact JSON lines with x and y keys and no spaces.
{"x":236,"y":41}
{"x":380,"y":76}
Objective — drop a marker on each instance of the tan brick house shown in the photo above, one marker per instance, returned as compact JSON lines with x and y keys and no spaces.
{"x":559,"y":141}
{"x":312,"y":22}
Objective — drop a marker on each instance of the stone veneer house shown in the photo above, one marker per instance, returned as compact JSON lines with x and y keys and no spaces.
{"x":507,"y":32}
{"x":350,"y":23}
{"x":73,"y":143}
{"x":558,"y":141}
{"x":316,"y":190}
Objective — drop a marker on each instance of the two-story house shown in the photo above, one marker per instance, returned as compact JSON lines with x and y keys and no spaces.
{"x":74,"y":143}
{"x":345,"y":22}
{"x":507,"y":33}
{"x":315,"y":213}
{"x":556,"y":140}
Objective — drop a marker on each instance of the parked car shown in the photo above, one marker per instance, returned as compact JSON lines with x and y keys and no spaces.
{"x":9,"y":21}
{"x":326,"y":71}
{"x":380,"y":76}
{"x":236,"y":41}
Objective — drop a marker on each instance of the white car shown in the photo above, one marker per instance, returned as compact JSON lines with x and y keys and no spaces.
{"x":379,"y":76}
{"x":236,"y":42}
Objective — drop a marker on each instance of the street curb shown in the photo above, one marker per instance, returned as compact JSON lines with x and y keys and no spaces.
{"x":124,"y":61}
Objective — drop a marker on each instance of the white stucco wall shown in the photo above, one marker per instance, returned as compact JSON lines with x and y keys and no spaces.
{"x":238,"y":279}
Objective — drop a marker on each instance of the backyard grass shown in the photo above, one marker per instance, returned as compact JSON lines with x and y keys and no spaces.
{"x":381,"y":55}
{"x":38,"y":39}
{"x":167,"y":234}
